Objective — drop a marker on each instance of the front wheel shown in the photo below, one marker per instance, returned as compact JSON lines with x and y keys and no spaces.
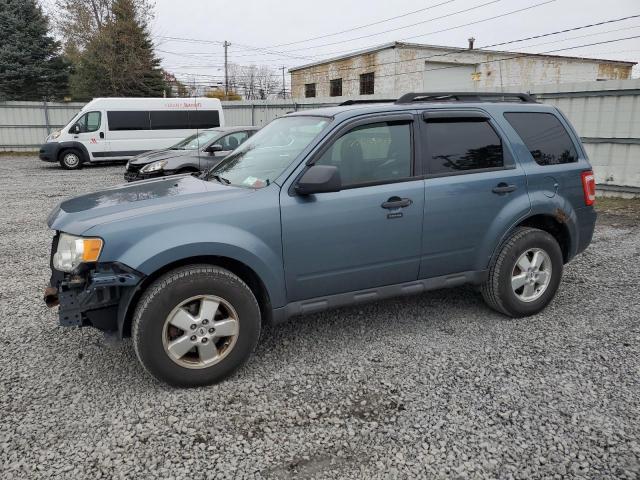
{"x":526,"y":274}
{"x":195,"y":326}
{"x":71,"y":159}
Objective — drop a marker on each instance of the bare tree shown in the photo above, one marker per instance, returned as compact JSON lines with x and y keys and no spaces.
{"x":79,"y":21}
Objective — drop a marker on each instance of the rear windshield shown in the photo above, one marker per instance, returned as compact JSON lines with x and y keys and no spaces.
{"x":545,"y":137}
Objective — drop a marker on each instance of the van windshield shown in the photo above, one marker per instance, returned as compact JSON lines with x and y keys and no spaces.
{"x":262,"y":158}
{"x":196,"y":141}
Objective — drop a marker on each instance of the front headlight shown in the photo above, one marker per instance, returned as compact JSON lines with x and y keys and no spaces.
{"x":154,"y":167}
{"x":72,"y":251}
{"x":54,"y":135}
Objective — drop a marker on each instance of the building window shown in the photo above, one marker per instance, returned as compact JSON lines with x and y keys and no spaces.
{"x":335,"y":87}
{"x":366,"y":84}
{"x":309,"y":90}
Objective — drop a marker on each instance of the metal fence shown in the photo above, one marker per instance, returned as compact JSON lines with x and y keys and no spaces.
{"x":605,"y":114}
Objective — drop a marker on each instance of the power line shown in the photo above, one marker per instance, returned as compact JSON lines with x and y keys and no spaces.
{"x":400,"y":28}
{"x":362,"y":26}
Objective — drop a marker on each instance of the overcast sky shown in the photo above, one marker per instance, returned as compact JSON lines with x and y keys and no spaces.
{"x":274,"y":26}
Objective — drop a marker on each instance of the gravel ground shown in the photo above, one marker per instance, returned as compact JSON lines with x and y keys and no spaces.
{"x":436,"y":385}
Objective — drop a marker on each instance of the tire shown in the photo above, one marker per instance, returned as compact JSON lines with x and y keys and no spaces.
{"x":519,"y":251}
{"x":71,"y":159}
{"x":158,"y":342}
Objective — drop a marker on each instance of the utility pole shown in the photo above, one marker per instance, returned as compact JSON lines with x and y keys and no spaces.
{"x":226,"y":69}
{"x":284,"y":90}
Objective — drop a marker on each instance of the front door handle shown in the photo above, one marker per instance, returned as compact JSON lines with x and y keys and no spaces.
{"x":396,"y":202}
{"x":503,"y":188}
{"x":101,"y":134}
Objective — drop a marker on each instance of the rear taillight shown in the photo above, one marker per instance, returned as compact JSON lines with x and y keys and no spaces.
{"x":589,"y":187}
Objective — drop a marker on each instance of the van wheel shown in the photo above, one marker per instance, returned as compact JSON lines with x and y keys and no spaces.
{"x":71,"y":159}
{"x":526,"y":274}
{"x":195,"y":326}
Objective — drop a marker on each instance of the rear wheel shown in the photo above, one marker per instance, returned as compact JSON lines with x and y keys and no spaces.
{"x":70,"y":159}
{"x":526,"y":274}
{"x":195,"y":326}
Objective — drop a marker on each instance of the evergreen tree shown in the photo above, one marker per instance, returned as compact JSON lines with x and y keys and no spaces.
{"x":30,"y":66}
{"x":119,"y":60}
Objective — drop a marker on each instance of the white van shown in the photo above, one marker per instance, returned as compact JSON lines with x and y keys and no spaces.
{"x":108,"y":129}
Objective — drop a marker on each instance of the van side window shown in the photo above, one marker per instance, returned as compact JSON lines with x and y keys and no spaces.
{"x":457,"y":145}
{"x":89,"y":122}
{"x":134,"y":120}
{"x":204,"y":119}
{"x":375,"y":153}
{"x":544,"y":136}
{"x":169,"y":120}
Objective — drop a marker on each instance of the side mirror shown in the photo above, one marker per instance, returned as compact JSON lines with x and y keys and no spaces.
{"x":75,"y":128}
{"x":216,"y":147}
{"x":319,"y":179}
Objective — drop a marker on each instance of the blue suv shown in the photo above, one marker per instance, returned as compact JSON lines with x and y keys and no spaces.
{"x":326,"y":208}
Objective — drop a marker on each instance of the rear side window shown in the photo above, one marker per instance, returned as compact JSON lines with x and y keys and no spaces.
{"x":204,"y":119}
{"x":458,"y":145}
{"x":134,"y":120}
{"x":545,"y":137}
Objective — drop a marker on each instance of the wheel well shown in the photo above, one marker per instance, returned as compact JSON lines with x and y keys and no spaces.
{"x":246,"y":274}
{"x":551,"y":225}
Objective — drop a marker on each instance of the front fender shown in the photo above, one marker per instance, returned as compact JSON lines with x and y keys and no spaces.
{"x":159,"y":248}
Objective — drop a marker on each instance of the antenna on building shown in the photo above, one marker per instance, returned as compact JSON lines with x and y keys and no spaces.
{"x":471,"y":40}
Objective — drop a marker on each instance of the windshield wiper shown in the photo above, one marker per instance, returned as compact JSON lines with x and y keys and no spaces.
{"x":219,"y":179}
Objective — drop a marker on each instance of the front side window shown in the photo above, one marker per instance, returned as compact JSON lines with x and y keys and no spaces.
{"x":89,"y":122}
{"x":309,"y":90}
{"x":267,"y":153}
{"x":367,"y":84}
{"x":233,"y":140}
{"x":375,"y":153}
{"x":193,"y":142}
{"x":544,"y":136}
{"x":457,"y":146}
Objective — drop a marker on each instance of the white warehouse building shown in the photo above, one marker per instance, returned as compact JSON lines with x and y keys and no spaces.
{"x":392,"y":69}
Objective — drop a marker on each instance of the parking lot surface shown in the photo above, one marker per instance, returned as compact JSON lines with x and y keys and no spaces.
{"x":436,"y":385}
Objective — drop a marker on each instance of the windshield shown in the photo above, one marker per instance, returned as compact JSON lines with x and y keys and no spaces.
{"x":262,"y":158}
{"x":196,"y":141}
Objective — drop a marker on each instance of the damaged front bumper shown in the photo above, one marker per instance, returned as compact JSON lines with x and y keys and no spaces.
{"x":93,"y":297}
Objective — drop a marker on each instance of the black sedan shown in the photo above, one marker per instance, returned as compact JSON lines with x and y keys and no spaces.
{"x":196,"y":153}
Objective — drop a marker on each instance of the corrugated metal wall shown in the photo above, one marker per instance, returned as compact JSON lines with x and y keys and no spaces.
{"x":25,"y":125}
{"x":605,"y":114}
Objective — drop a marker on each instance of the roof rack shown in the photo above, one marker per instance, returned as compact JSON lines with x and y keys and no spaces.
{"x":362,"y":102}
{"x":465,"y":97}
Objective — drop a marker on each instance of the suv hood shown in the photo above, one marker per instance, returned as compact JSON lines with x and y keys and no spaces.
{"x":79,"y":214}
{"x":156,"y":155}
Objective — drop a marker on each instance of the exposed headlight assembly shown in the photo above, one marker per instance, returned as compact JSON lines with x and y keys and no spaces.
{"x":73,"y":250}
{"x":154,"y":167}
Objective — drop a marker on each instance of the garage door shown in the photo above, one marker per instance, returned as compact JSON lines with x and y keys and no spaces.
{"x":447,"y":77}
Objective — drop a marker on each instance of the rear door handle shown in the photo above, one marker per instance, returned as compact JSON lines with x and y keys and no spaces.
{"x":503,"y":188}
{"x":396,"y":202}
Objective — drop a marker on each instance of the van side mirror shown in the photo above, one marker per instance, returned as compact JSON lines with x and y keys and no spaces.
{"x":319,"y":179}
{"x":75,"y":128}
{"x":216,"y":147}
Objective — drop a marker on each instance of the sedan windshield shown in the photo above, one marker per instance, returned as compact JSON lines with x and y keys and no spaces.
{"x":196,"y":141}
{"x":262,"y":158}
